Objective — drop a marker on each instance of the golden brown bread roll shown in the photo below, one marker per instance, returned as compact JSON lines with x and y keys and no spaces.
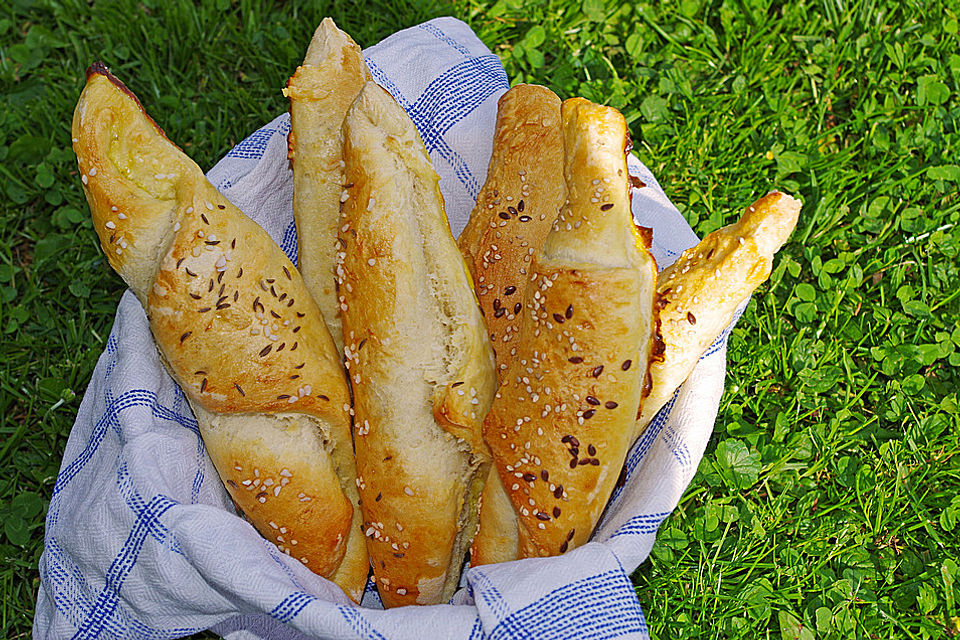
{"x":563,"y":420}
{"x":235,"y":326}
{"x":320,"y":92}
{"x":417,"y":355}
{"x":515,"y":210}
{"x":699,"y":293}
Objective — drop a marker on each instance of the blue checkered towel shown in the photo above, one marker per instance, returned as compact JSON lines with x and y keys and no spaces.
{"x":141,"y":538}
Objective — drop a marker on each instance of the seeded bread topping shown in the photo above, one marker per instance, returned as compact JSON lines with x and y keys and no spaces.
{"x":236,"y":327}
{"x":562,"y":420}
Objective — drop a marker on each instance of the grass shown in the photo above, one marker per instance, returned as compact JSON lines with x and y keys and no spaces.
{"x":827,"y":504}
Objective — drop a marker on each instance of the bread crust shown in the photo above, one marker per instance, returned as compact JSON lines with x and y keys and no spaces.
{"x":320,"y":92}
{"x":236,"y":328}
{"x":562,"y":421}
{"x":417,"y":355}
{"x":515,"y":210}
{"x":700,"y":292}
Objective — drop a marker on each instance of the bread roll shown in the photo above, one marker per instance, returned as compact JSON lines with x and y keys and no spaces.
{"x":699,"y":293}
{"x":417,"y":355}
{"x":235,"y":326}
{"x":563,"y":420}
{"x":320,"y":92}
{"x":515,"y":210}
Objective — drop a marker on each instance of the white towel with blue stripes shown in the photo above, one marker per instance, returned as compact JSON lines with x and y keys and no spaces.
{"x":141,"y":539}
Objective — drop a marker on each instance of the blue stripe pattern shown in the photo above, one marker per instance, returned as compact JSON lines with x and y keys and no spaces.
{"x":595,"y":608}
{"x":476,"y":633}
{"x":642,"y":525}
{"x":489,"y":593}
{"x":73,"y":600}
{"x":292,"y":605}
{"x":107,"y":602}
{"x":289,"y":243}
{"x":360,"y":625}
{"x":127,"y":400}
{"x":444,"y":38}
{"x":253,"y":146}
{"x":139,"y":506}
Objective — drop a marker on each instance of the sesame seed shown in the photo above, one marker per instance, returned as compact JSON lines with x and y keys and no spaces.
{"x":110,"y":225}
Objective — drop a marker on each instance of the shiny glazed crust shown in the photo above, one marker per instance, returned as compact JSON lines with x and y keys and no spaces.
{"x":417,"y":355}
{"x":320,"y":92}
{"x":563,"y":420}
{"x":236,"y":327}
{"x":700,"y":292}
{"x":515,"y":210}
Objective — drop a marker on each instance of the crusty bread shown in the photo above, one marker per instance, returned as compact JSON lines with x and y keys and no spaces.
{"x":700,"y":292}
{"x":515,"y":210}
{"x":417,"y":355}
{"x":563,"y":419}
{"x":236,"y":327}
{"x":320,"y":92}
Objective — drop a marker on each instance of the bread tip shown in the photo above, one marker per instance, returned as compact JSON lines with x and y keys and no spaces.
{"x":98,"y":68}
{"x":326,"y":39}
